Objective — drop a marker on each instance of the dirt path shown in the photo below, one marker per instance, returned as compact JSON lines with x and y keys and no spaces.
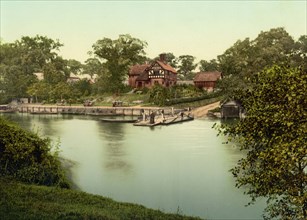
{"x":202,"y":111}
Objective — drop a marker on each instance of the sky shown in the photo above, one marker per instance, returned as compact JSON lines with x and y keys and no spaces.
{"x":203,"y":28}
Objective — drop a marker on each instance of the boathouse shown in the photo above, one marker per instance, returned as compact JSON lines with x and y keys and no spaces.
{"x":148,"y":75}
{"x":232,"y":109}
{"x":207,"y":80}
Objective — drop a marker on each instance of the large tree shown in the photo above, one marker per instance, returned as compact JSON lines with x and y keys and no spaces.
{"x":19,"y":60}
{"x":117,"y":56}
{"x":247,"y":57}
{"x":274,"y":136}
{"x":186,"y":67}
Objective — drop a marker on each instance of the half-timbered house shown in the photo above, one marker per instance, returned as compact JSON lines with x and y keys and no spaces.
{"x":148,"y":75}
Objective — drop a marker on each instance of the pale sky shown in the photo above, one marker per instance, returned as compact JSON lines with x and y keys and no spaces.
{"x":200,"y":28}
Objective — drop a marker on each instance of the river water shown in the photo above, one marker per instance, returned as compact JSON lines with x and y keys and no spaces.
{"x":178,"y":168}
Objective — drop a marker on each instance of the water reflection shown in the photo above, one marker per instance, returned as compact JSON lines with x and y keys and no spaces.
{"x":116,"y":152}
{"x":184,"y":165}
{"x":41,"y":124}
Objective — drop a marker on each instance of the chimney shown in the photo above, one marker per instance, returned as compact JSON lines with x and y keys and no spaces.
{"x":163,"y":57}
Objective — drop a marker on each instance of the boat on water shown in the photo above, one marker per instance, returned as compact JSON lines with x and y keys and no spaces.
{"x":117,"y":120}
{"x":166,"y":121}
{"x":6,"y":109}
{"x":43,"y":113}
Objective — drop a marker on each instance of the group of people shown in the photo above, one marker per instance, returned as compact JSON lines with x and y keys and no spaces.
{"x":152,"y":115}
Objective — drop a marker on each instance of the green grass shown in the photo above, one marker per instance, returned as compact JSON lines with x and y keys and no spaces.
{"x":22,"y":201}
{"x":198,"y":103}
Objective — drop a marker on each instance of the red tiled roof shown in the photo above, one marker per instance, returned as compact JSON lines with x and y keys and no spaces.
{"x":138,"y":69}
{"x":207,"y":76}
{"x":166,"y":66}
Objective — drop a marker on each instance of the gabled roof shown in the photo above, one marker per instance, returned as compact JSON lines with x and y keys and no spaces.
{"x":166,"y":66}
{"x":207,"y":76}
{"x":138,"y":69}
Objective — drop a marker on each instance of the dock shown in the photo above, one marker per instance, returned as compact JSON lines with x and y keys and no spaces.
{"x":166,"y":121}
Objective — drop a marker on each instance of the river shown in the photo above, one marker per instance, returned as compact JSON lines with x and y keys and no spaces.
{"x":178,"y":168}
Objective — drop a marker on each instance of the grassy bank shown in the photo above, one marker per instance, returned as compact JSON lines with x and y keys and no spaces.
{"x":23,"y":201}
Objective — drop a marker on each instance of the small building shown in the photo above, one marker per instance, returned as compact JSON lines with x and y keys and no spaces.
{"x":207,"y":80}
{"x":232,"y":109}
{"x":148,"y":75}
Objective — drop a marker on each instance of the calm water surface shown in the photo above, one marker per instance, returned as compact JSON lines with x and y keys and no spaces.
{"x":179,"y":167}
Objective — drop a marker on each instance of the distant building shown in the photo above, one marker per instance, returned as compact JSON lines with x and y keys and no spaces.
{"x":148,"y":75}
{"x":207,"y":80}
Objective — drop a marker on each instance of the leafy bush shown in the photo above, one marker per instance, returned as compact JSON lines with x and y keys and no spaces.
{"x":193,"y":99}
{"x":27,"y":157}
{"x":159,"y":94}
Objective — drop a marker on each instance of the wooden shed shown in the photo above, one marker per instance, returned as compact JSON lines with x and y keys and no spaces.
{"x":207,"y":80}
{"x":232,"y":109}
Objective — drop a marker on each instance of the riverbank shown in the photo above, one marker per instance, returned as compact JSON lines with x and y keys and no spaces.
{"x":23,"y":201}
{"x":200,"y":110}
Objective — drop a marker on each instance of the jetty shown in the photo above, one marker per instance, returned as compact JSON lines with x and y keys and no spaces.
{"x":168,"y":120}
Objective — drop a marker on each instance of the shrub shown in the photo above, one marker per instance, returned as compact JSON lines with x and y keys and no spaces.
{"x":27,"y":157}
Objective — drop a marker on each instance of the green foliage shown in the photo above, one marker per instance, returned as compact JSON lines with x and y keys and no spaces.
{"x":212,"y":65}
{"x":117,"y":56}
{"x":40,"y":90}
{"x":186,"y":67}
{"x":170,"y":59}
{"x":247,"y":57}
{"x":205,"y":96}
{"x":93,"y":67}
{"x":19,"y":60}
{"x":274,"y":133}
{"x":20,"y":201}
{"x":27,"y":157}
{"x":158,"y":95}
{"x":174,"y":95}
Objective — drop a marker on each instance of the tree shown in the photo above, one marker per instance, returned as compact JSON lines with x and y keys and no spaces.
{"x":93,"y":67}
{"x":170,"y":59}
{"x":82,"y":87}
{"x":62,"y":91}
{"x":236,"y":59}
{"x":212,"y":65}
{"x":186,"y":66}
{"x":271,"y":47}
{"x":247,"y":57}
{"x":74,"y":66}
{"x":117,"y":56}
{"x":56,"y":71}
{"x":300,"y":53}
{"x":19,"y":60}
{"x":274,"y":134}
{"x":40,"y":90}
